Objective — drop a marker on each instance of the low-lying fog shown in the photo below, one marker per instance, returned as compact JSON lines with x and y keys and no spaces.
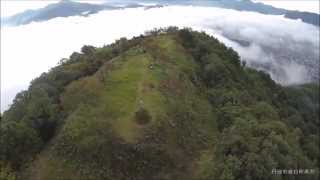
{"x":287,"y":49}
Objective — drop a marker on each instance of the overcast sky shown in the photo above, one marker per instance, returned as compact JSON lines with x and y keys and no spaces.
{"x":10,"y":7}
{"x":301,"y":5}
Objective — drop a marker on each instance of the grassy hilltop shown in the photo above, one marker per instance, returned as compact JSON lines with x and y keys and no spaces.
{"x":168,"y":105}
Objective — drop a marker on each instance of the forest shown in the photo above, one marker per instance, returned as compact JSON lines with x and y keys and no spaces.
{"x":171,"y":104}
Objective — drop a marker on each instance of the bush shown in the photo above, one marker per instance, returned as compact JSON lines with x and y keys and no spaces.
{"x":6,"y":173}
{"x":142,"y":116}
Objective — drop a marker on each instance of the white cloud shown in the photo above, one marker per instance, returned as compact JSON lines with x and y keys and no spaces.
{"x":31,"y":49}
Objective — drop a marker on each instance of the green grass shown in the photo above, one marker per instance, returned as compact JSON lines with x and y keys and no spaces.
{"x":158,"y":83}
{"x":128,"y":88}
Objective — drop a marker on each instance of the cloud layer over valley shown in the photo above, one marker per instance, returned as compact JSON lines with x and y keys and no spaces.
{"x":287,"y":49}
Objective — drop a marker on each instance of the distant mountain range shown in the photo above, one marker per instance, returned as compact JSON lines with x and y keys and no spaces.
{"x":64,"y":8}
{"x":247,"y":5}
{"x":67,"y":8}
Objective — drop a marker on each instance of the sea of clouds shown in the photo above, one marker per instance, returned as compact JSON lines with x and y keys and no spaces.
{"x":287,"y":49}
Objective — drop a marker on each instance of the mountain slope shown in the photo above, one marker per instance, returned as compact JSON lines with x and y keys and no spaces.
{"x":248,"y":5}
{"x":64,"y":8}
{"x":171,"y":104}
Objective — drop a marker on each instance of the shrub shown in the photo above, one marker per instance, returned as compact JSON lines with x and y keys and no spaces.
{"x":142,"y":116}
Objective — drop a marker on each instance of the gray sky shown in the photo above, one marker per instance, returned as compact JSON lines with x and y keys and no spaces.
{"x":302,"y":5}
{"x":10,"y":7}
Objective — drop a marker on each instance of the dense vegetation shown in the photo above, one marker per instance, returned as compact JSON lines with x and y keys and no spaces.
{"x":170,"y":104}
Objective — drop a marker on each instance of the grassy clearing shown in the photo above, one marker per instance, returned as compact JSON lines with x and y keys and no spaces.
{"x":131,"y":85}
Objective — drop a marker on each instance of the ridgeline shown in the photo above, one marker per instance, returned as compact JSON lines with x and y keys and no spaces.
{"x":168,"y":105}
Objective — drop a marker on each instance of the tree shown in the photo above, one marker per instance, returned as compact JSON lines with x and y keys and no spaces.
{"x":88,"y":50}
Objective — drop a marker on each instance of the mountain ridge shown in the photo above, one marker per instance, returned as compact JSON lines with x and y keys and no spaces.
{"x":73,"y":8}
{"x":170,"y":104}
